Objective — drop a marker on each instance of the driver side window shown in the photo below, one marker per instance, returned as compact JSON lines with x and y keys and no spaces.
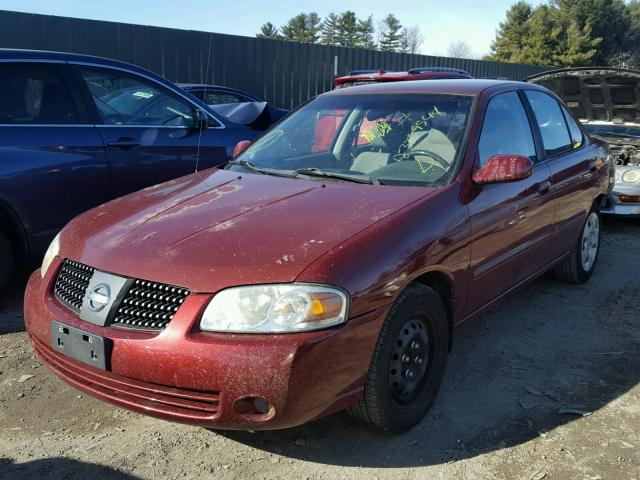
{"x":123,"y":99}
{"x":506,"y":129}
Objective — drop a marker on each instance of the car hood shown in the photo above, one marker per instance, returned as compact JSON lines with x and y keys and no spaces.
{"x":596,"y":95}
{"x":210,"y":230}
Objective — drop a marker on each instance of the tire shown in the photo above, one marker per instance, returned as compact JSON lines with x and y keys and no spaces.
{"x":7,"y":262}
{"x":395,"y":402}
{"x":580,"y":264}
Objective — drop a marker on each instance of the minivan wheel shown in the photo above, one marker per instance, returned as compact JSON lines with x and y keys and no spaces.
{"x":408,"y":363}
{"x":7,"y":262}
{"x":579,"y":265}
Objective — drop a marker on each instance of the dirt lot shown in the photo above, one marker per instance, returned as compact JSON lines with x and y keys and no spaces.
{"x":549,"y":349}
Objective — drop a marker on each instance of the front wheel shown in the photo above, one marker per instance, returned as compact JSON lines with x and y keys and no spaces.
{"x":408,"y":363}
{"x":579,"y":265}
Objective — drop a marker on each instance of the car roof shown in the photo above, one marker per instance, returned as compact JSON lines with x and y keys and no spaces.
{"x":448,"y":86}
{"x":18,"y":54}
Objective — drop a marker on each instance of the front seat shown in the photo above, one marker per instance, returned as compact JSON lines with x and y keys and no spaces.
{"x":371,"y":160}
{"x":433,"y":141}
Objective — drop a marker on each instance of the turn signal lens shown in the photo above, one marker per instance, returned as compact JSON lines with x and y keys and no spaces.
{"x":629,"y":198}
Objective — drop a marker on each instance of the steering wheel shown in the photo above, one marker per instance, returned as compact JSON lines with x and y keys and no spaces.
{"x":433,"y":158}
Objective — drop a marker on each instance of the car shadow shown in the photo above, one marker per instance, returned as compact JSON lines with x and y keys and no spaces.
{"x":549,"y":348}
{"x":11,"y":320}
{"x":58,"y":468}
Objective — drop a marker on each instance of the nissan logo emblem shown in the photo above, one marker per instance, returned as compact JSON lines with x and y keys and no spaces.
{"x":99,"y":297}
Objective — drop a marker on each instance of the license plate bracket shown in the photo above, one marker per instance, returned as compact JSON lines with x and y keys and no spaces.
{"x":83,"y":346}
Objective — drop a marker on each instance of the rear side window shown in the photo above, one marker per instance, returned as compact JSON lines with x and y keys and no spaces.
{"x":577,"y":138}
{"x":553,"y":128}
{"x":506,"y":129}
{"x":34,"y":94}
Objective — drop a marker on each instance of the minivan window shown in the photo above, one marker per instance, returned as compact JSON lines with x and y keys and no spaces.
{"x":34,"y":94}
{"x":506,"y":129}
{"x":553,"y":128}
{"x":395,"y":139}
{"x":123,"y":99}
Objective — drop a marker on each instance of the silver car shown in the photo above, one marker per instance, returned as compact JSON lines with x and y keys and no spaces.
{"x":607,"y":102}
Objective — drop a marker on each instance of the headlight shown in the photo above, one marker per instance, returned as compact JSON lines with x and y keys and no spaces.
{"x":618,"y":175}
{"x":631,"y":176}
{"x":52,"y":252}
{"x":275,"y":308}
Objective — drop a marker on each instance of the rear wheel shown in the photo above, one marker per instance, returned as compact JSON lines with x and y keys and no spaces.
{"x":408,"y":363}
{"x":7,"y":262}
{"x":579,"y":265}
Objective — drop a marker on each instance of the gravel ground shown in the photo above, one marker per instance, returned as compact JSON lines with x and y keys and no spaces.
{"x":544,"y":386}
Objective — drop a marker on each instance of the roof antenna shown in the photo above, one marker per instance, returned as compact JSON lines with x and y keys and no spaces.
{"x":206,"y":81}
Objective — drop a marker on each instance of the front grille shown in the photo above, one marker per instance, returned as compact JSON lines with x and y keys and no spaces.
{"x":72,"y":283}
{"x":149,"y":305}
{"x":146,"y":305}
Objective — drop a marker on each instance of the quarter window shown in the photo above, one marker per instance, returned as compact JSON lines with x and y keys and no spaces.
{"x":34,"y":94}
{"x":123,"y":99}
{"x":574,"y":130}
{"x":506,"y":129}
{"x":553,"y":128}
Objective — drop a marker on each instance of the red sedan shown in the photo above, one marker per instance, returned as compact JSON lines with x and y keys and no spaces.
{"x":300,"y":280}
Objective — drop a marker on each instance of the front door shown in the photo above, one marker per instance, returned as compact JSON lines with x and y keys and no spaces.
{"x":149,"y":131}
{"x":511,"y":223}
{"x":52,"y":160}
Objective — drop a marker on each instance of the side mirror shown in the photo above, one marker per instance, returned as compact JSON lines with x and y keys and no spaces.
{"x":240,"y":147}
{"x":504,"y":168}
{"x":200,"y":119}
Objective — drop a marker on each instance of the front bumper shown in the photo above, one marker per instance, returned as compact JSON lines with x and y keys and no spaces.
{"x":614,"y":206}
{"x":186,"y":375}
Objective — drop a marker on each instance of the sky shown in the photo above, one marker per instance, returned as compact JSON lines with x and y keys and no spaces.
{"x":441,"y":22}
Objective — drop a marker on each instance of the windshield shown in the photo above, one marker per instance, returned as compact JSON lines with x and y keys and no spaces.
{"x":389,"y":139}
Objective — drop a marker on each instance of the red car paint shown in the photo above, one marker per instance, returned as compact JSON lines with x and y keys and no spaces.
{"x":215,"y":229}
{"x":382,"y":76}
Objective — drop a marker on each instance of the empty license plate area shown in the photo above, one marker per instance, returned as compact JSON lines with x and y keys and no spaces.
{"x":80,"y":345}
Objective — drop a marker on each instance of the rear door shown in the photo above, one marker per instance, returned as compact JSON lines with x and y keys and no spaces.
{"x":511,"y":223}
{"x":52,"y":159}
{"x":572,"y":164}
{"x":148,"y":129}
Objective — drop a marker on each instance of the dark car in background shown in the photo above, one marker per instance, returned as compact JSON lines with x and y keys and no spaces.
{"x":216,"y":95}
{"x":76,"y":131}
{"x":607,"y":102}
{"x":363,"y":77}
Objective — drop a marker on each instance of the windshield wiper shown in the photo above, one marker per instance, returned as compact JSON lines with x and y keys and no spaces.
{"x":265,"y":171}
{"x":316,"y":172}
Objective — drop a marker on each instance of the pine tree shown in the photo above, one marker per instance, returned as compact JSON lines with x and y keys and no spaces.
{"x":366,"y":30}
{"x":268,"y":30}
{"x":329,"y":30}
{"x":347,"y":29}
{"x":302,"y":28}
{"x":390,"y":39}
{"x":512,"y":33}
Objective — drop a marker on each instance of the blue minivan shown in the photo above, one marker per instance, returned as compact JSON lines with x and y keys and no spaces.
{"x":76,"y":131}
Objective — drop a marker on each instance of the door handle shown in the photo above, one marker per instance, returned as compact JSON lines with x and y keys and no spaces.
{"x":124,"y":143}
{"x":544,"y":188}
